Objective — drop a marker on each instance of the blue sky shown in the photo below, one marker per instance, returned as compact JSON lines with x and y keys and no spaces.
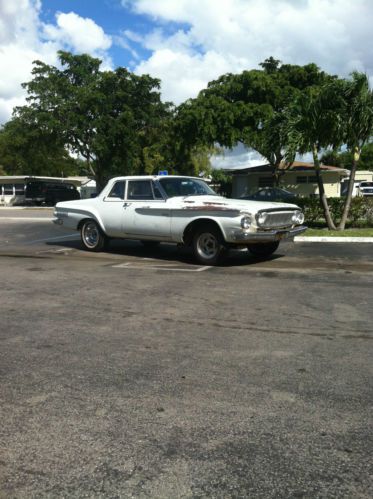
{"x":115,"y":18}
{"x":184,"y":43}
{"x":111,"y":16}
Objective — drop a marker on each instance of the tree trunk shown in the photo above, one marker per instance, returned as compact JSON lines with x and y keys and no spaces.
{"x":346,"y":208}
{"x":323,"y":198}
{"x":277,"y":173}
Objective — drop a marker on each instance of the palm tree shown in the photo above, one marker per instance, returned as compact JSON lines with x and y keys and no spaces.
{"x":358,"y":127}
{"x":314,"y":123}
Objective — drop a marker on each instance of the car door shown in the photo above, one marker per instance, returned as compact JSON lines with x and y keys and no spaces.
{"x":146,"y":214}
{"x":113,"y":210}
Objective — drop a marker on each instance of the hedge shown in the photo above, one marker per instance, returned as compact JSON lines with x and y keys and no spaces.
{"x":361,"y":210}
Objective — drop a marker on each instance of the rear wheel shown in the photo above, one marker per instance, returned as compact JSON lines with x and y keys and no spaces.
{"x":263,"y":249}
{"x":208,"y":245}
{"x":92,"y":236}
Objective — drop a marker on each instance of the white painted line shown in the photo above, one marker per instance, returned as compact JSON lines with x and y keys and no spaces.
{"x":26,"y":219}
{"x":75,"y":236}
{"x":63,"y":250}
{"x":321,"y":239}
{"x":168,"y":267}
{"x":54,"y":251}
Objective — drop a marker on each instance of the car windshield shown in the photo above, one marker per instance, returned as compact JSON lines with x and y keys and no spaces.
{"x":185,"y":187}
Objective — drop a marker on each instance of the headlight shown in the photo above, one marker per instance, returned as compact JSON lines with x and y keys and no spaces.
{"x":262,"y":217}
{"x":298,"y":217}
{"x":246,"y":221}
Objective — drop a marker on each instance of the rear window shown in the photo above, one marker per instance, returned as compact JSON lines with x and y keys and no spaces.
{"x":117,"y":191}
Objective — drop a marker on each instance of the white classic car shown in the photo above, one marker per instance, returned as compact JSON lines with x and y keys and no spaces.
{"x":183,"y":210}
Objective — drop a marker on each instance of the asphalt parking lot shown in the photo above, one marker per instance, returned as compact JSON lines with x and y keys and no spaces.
{"x":136,"y":373}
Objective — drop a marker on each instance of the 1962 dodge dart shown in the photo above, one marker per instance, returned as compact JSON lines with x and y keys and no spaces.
{"x":183,"y":210}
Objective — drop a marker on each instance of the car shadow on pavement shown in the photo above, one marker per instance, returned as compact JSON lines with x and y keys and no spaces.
{"x":164,"y":252}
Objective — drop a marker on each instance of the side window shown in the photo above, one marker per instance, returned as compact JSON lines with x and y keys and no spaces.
{"x":139,"y":190}
{"x":117,"y":191}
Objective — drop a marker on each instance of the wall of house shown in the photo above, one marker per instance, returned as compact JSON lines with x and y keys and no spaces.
{"x":305,"y":184}
{"x":360,"y":176}
{"x":364,"y":175}
{"x":302,"y":183}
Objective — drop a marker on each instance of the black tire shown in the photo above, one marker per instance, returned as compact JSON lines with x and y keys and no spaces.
{"x":263,"y":249}
{"x":208,"y":245}
{"x":150,"y":244}
{"x":93,"y":238}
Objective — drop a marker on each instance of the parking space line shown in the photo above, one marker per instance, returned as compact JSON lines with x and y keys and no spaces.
{"x":54,"y":250}
{"x":54,"y":238}
{"x":169,"y":266}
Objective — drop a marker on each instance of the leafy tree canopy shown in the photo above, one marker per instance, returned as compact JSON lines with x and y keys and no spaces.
{"x":247,"y":107}
{"x":344,"y":159}
{"x":115,"y":120}
{"x":25,"y":149}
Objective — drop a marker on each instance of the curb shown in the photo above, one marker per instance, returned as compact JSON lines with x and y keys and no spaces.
{"x":26,"y":219}
{"x":315,"y":239}
{"x":27,"y":208}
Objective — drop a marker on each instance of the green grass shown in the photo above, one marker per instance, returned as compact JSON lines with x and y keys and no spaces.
{"x":339,"y":233}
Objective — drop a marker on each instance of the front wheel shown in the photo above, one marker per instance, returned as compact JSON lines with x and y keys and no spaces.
{"x":208,"y":245}
{"x":92,"y":236}
{"x":263,"y":249}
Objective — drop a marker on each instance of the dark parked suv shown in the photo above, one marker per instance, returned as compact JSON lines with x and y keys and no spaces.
{"x":50,"y":193}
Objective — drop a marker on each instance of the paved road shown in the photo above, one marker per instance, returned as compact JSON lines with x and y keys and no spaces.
{"x":140,"y":374}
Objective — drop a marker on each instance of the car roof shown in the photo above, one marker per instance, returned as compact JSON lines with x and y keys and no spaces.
{"x":152,"y":177}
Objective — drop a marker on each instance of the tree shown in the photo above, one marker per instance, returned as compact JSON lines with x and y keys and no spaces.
{"x":25,"y":149}
{"x":112,"y":119}
{"x":249,"y":108}
{"x":358,"y":122}
{"x":343,"y":159}
{"x":222,"y":182}
{"x":315,"y":122}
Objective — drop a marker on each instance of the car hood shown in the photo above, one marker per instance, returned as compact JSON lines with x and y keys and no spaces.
{"x":241,"y":205}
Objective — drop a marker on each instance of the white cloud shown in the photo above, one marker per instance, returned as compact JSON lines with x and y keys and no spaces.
{"x":182,"y":74}
{"x":24,"y":38}
{"x":233,"y":35}
{"x":237,"y":158}
{"x":78,"y":33}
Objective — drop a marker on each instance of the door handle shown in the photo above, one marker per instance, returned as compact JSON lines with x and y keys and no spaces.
{"x":126,"y":204}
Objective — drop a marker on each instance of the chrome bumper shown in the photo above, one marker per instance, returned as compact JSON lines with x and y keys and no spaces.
{"x":268,"y":235}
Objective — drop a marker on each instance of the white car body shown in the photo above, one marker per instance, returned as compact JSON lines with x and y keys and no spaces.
{"x":365,"y":189}
{"x":173,"y":218}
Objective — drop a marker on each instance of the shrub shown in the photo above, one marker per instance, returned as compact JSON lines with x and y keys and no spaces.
{"x":361,"y":210}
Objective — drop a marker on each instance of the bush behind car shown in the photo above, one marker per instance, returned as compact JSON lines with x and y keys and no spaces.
{"x":361,"y":212}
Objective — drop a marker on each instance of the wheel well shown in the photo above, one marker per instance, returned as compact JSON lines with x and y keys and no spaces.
{"x":80,"y":224}
{"x":196,"y":224}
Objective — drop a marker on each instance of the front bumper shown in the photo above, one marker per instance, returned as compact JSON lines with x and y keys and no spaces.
{"x":240,"y":237}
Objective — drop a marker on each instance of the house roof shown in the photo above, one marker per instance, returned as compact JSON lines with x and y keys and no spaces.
{"x":300,"y":166}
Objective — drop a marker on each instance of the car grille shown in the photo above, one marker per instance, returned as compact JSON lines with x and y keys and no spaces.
{"x":276,"y":219}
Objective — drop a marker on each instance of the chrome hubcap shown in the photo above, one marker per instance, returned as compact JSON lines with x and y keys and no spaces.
{"x":207,"y":245}
{"x":90,"y":234}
